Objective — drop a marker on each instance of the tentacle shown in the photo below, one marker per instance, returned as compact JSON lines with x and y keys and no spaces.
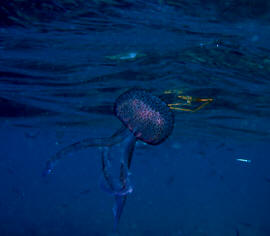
{"x":115,"y":179}
{"x":118,"y":208}
{"x":116,"y":163}
{"x":86,"y":143}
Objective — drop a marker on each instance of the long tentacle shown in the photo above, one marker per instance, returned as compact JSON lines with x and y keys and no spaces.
{"x":86,"y":143}
{"x":118,"y":184}
{"x":120,"y":200}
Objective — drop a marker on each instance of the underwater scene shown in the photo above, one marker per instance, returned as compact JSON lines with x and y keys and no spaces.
{"x":135,"y":118}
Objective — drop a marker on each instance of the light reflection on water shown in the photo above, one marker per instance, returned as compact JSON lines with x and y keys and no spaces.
{"x":68,"y":69}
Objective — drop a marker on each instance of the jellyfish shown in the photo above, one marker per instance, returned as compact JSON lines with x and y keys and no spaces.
{"x":144,"y":117}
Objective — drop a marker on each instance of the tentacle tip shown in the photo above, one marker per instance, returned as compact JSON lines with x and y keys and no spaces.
{"x":48,"y":169}
{"x":46,"y":172}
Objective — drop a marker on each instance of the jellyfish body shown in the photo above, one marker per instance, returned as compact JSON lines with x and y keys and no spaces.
{"x":144,"y":117}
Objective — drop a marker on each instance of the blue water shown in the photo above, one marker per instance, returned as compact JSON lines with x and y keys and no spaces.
{"x":62,"y":65}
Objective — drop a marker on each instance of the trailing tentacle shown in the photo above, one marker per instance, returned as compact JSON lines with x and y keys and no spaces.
{"x":86,"y":143}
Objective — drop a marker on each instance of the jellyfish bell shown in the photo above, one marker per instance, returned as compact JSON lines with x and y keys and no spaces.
{"x":145,"y":115}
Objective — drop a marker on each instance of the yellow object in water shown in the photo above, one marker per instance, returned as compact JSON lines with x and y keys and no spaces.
{"x":188,"y":101}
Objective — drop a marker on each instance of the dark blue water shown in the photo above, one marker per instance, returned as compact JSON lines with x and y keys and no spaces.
{"x":63,"y":64}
